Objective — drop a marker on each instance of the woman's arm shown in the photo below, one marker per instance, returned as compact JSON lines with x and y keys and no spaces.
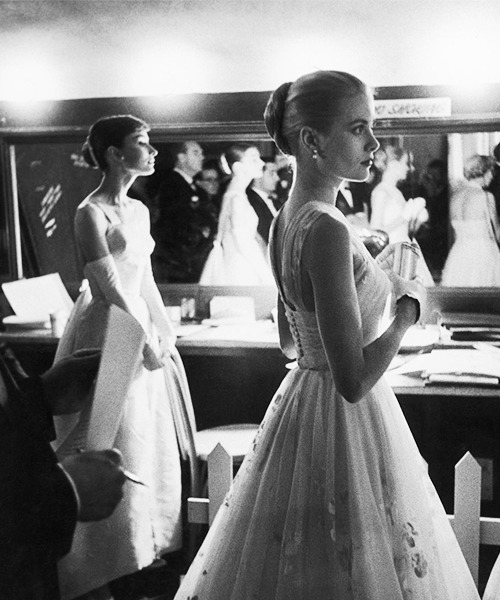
{"x":327,"y":260}
{"x":286,"y":339}
{"x":90,"y":229}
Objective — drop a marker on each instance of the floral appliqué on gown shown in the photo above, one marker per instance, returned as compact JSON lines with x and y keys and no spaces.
{"x":333,"y":500}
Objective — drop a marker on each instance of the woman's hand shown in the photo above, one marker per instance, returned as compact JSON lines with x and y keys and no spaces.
{"x":152,"y":359}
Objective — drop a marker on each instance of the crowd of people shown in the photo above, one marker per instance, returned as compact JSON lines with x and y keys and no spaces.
{"x":333,"y":499}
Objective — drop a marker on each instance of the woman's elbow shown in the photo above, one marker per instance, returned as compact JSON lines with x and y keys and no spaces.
{"x":351,"y":390}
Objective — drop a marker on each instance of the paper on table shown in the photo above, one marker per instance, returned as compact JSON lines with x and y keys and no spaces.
{"x":466,"y":362}
{"x":38,"y":296}
{"x":120,"y":357}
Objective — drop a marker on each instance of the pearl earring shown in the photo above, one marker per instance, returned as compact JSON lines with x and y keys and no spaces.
{"x":315,"y":154}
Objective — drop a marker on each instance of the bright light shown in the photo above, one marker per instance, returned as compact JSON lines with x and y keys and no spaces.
{"x":28,"y":78}
{"x":170,"y":68}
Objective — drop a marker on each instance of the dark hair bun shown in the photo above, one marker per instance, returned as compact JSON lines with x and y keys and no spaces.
{"x":273,"y":116}
{"x":88,"y":155}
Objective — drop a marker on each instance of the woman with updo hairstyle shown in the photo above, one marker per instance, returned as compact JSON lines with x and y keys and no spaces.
{"x":114,"y":244}
{"x":333,"y":499}
{"x":390,"y":211}
{"x":239,"y":255}
{"x":474,"y":258}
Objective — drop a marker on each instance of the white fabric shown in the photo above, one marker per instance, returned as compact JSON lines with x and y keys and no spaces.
{"x":147,"y":522}
{"x":237,"y":257}
{"x":333,"y":501}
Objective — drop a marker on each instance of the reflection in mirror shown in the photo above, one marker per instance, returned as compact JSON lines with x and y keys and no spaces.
{"x":416,"y":189}
{"x":211,"y":208}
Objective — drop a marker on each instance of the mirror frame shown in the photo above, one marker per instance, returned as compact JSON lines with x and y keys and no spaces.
{"x":221,"y":131}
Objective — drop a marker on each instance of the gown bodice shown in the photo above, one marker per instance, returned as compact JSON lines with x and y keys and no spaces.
{"x":472,"y":229}
{"x":372,"y":286}
{"x":131,"y":246}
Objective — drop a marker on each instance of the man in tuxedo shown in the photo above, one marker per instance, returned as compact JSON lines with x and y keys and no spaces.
{"x":187,"y":219}
{"x":261,"y":193}
{"x":41,"y":499}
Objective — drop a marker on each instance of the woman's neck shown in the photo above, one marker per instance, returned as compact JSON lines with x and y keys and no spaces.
{"x":114,"y":187}
{"x":308,"y":188}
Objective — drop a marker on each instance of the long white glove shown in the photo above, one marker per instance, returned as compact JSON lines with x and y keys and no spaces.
{"x":104,"y":272}
{"x":154,"y":301}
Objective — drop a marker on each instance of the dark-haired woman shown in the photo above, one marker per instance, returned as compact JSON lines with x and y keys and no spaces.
{"x":333,"y":500}
{"x":114,"y":243}
{"x":239,"y":257}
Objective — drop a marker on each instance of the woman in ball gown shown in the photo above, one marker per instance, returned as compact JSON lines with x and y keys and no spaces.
{"x":239,"y":256}
{"x":390,"y":211}
{"x":333,"y":499}
{"x":474,"y":258}
{"x":114,"y":243}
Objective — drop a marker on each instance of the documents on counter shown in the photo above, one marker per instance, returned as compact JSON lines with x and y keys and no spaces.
{"x":465,"y":366}
{"x":33,"y":300}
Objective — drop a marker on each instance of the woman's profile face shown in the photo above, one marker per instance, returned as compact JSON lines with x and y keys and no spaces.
{"x":138,"y":156}
{"x":251,"y":163}
{"x":349,"y":147}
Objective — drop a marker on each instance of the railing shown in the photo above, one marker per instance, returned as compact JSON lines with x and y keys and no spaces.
{"x":470,"y":528}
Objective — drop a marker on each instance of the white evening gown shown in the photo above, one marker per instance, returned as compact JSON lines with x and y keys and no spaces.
{"x":147,"y":522}
{"x":388,"y":208}
{"x":474,"y":258}
{"x":333,"y":501}
{"x":239,"y":255}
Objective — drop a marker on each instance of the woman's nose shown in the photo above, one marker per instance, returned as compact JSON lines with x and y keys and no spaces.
{"x":153,"y":150}
{"x":374,"y":144}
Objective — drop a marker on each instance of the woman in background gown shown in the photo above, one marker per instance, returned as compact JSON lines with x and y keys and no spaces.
{"x":474,"y":258}
{"x":114,"y":243}
{"x":333,"y":499}
{"x":239,"y":256}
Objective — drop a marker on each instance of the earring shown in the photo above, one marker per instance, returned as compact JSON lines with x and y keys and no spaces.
{"x":315,"y":154}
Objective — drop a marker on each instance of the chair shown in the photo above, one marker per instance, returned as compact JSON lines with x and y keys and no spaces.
{"x":194,"y":445}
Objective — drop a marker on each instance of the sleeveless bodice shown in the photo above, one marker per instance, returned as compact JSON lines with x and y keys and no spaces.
{"x":131,"y":245}
{"x":372,"y":286}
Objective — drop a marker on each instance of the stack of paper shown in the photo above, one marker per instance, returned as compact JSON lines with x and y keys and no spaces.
{"x":457,"y":366}
{"x":33,"y":300}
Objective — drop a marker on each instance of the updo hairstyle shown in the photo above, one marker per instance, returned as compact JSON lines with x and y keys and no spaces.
{"x":106,"y":132}
{"x":389,"y":153}
{"x":313,"y":100}
{"x":477,"y":166}
{"x":234,"y":154}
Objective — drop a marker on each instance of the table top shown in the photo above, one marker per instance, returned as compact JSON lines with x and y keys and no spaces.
{"x":245,"y":339}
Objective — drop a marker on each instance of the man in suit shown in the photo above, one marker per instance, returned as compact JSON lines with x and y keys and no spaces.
{"x":40,"y":498}
{"x":187,"y":220}
{"x":261,"y":194}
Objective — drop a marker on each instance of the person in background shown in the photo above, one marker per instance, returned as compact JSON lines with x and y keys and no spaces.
{"x":261,"y":194}
{"x":42,"y":499}
{"x":401,"y":219}
{"x":333,"y":499}
{"x":474,"y":258}
{"x":494,"y":186}
{"x":433,"y":235}
{"x":239,"y":256}
{"x":113,"y":238}
{"x":186,"y":220}
{"x":209,"y":178}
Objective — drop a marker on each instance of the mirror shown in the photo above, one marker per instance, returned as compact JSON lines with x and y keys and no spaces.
{"x":434,"y":176}
{"x":45,"y":170}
